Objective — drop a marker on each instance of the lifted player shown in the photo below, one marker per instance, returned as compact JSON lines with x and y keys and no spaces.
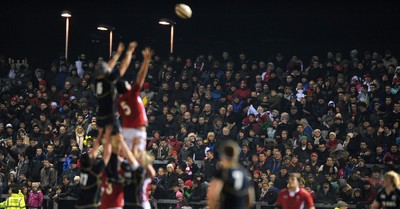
{"x":134,"y":121}
{"x":231,"y":187}
{"x":106,"y":94}
{"x":131,"y":108}
{"x":105,"y":91}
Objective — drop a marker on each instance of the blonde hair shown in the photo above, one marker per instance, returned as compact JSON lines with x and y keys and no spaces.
{"x":210,"y":134}
{"x":315,"y":131}
{"x":394,"y":178}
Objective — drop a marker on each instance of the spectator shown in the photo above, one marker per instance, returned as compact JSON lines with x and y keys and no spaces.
{"x":73,"y":155}
{"x":186,"y":150}
{"x":199,"y":149}
{"x":35,"y":199}
{"x":71,"y":171}
{"x":36,"y":165}
{"x":210,"y":166}
{"x":164,"y":151}
{"x":170,"y":178}
{"x":326,"y":194}
{"x":23,"y":165}
{"x":282,"y":178}
{"x":48,"y":176}
{"x":191,"y":167}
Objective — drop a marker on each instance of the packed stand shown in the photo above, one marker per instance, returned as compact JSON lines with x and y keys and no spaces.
{"x":335,"y":121}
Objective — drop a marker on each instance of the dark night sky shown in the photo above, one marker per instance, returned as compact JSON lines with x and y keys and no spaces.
{"x":261,"y":28}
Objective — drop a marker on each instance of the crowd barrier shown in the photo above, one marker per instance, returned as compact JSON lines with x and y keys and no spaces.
{"x":166,"y":203}
{"x":158,"y":204}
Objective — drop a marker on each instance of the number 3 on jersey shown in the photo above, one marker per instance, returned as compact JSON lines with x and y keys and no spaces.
{"x":238,"y":177}
{"x":126,"y":108}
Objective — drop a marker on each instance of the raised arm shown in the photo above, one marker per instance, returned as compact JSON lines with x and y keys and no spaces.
{"x":126,"y":152}
{"x":114,"y":59}
{"x":128,"y":57}
{"x":145,"y":67}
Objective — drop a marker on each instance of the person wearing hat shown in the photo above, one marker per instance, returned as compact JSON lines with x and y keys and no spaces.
{"x":199,"y":149}
{"x":333,"y":144}
{"x":326,"y":194}
{"x":147,"y":93}
{"x":10,"y":133}
{"x":294,"y":197}
{"x":314,"y":161}
{"x":187,"y":191}
{"x":181,"y":200}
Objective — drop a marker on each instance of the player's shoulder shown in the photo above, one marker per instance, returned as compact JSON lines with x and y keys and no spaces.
{"x":284,"y":191}
{"x":303,"y":192}
{"x":380,"y":191}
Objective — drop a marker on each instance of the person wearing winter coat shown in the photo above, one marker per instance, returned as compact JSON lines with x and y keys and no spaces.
{"x":268,"y":193}
{"x":326,"y":194}
{"x":48,"y":176}
{"x":35,"y":200}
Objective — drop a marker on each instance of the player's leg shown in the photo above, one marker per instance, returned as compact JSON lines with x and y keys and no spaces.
{"x":139,"y":140}
{"x":112,"y":167}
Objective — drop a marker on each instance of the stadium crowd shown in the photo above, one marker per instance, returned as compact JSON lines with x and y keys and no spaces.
{"x":334,"y":119}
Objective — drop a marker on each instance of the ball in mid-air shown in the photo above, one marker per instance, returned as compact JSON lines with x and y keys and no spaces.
{"x":183,"y":11}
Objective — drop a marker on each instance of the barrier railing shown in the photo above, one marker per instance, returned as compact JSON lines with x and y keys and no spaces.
{"x":258,"y":205}
{"x":156,"y":203}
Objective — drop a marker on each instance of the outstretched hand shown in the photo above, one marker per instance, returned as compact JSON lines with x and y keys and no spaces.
{"x":147,"y":53}
{"x":120,"y":48}
{"x":132,"y":46}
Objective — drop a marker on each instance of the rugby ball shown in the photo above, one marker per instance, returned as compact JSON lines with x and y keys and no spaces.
{"x":183,"y":11}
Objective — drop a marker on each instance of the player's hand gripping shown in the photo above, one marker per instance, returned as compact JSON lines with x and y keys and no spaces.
{"x":147,"y":53}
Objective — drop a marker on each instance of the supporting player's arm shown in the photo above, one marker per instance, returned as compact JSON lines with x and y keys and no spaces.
{"x":144,"y":68}
{"x":375,"y":205}
{"x":150,"y":172}
{"x":214,"y":192}
{"x":107,"y":148}
{"x":114,"y":59}
{"x":126,"y":152}
{"x":128,"y":57}
{"x":251,"y":198}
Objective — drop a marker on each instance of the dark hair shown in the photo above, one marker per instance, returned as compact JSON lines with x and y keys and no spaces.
{"x":86,"y":161}
{"x":15,"y":189}
{"x":121,"y":86}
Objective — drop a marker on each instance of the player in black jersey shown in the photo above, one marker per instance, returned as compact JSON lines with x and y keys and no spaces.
{"x":132,"y":187}
{"x":389,"y":196}
{"x":136,"y":182}
{"x":106,"y":93}
{"x":231,"y":187}
{"x":90,"y":181}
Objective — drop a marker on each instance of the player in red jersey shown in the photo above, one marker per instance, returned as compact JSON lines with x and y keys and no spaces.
{"x":113,"y":193}
{"x":294,"y":197}
{"x":134,"y":121}
{"x":132,"y":111}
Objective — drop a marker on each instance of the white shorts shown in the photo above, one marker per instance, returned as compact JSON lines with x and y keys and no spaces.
{"x":132,"y":133}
